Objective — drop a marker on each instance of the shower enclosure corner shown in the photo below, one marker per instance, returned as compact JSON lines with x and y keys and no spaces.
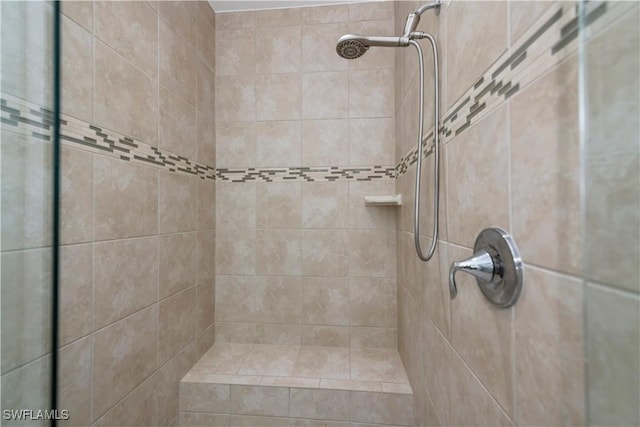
{"x":29,"y":64}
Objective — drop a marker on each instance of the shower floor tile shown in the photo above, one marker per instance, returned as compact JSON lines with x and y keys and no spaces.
{"x":341,"y":368}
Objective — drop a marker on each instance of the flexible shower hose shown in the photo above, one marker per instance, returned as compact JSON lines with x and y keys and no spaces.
{"x":436,"y":156}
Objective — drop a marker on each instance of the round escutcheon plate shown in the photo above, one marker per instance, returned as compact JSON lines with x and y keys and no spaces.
{"x":506,"y":285}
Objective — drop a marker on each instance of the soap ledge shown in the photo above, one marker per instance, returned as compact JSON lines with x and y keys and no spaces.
{"x":390,"y":200}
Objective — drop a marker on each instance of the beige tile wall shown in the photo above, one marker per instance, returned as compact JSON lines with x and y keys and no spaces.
{"x":518,"y":168}
{"x":137,"y":288}
{"x":291,"y":269}
{"x":304,"y":262}
{"x":612,"y":222}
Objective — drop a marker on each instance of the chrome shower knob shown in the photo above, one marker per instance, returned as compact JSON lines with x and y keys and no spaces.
{"x":496,"y":265}
{"x":481,"y":265}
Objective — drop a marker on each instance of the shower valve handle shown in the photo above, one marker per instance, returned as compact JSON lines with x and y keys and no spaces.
{"x":481,"y":265}
{"x":496,"y":265}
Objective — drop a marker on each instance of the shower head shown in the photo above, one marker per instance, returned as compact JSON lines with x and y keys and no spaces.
{"x":352,"y":46}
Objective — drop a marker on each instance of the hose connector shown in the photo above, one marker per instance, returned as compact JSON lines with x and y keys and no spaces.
{"x":417,"y":35}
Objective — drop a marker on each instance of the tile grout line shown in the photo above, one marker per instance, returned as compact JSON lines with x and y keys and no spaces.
{"x":514,"y":361}
{"x":93,"y":269}
{"x":157,"y":179}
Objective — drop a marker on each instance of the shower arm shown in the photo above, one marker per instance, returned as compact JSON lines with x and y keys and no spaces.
{"x":436,"y":132}
{"x":431,"y":5}
{"x":414,"y":18}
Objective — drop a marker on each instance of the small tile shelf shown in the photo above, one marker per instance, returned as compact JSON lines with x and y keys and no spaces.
{"x":390,"y":200}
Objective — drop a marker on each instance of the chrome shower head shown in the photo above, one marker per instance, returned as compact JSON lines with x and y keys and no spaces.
{"x":352,"y":46}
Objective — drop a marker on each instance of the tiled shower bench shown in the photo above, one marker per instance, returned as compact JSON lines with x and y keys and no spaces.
{"x":294,"y":385}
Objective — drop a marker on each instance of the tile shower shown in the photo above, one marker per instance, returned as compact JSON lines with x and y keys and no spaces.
{"x":219,"y":267}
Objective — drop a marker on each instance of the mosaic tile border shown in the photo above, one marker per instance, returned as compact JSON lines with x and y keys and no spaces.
{"x":35,"y":121}
{"x":308,"y":174}
{"x":548,"y":42}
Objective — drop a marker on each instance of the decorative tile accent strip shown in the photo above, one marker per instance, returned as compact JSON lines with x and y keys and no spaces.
{"x":547,"y":43}
{"x":35,"y":121}
{"x":427,"y":148}
{"x":309,"y":174}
